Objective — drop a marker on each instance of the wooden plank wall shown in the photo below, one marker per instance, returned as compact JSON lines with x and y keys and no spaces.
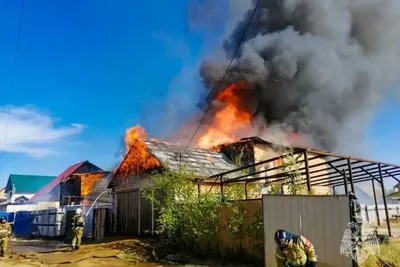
{"x":99,"y":223}
{"x":135,"y":215}
{"x":321,"y":219}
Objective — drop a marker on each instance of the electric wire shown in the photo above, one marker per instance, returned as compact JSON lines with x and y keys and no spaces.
{"x":223,"y":77}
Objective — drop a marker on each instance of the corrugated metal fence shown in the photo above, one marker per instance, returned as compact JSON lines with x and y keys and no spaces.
{"x":369,"y":213}
{"x":321,"y":219}
{"x":35,"y":223}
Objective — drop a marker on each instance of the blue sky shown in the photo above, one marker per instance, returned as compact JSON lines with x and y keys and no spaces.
{"x":87,"y":70}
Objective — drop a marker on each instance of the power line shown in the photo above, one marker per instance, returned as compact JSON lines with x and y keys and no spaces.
{"x":223,"y":77}
{"x":13,"y":79}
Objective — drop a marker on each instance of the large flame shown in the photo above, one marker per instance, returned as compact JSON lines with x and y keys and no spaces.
{"x":137,"y":158}
{"x":227,"y":121}
{"x":88,"y":181}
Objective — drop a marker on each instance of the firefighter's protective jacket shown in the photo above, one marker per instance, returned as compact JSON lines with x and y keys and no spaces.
{"x":5,"y":230}
{"x":77,"y":222}
{"x":297,"y":253}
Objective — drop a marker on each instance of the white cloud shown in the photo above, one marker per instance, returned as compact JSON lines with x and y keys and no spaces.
{"x":32,"y":132}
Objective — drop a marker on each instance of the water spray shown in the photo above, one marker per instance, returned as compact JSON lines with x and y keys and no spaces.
{"x":90,"y":209}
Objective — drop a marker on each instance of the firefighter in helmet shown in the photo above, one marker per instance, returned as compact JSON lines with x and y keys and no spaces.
{"x":294,"y":250}
{"x":77,"y":229}
{"x":5,"y":232}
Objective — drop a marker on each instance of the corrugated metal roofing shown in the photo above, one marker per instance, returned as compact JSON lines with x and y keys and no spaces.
{"x":203,"y":162}
{"x":27,"y":183}
{"x":56,"y":181}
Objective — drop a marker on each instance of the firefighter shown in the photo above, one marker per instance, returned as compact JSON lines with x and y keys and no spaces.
{"x":77,"y":229}
{"x":5,"y":232}
{"x":293,"y":250}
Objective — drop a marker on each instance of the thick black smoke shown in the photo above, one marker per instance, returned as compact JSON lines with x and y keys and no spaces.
{"x":318,"y":67}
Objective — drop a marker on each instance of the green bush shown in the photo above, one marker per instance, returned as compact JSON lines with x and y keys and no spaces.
{"x":190,"y":222}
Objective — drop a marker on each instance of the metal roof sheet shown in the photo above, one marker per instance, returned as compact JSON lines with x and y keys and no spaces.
{"x":28,"y":183}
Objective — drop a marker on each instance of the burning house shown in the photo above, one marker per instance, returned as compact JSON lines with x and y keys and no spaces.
{"x":135,"y":215}
{"x":79,"y":186}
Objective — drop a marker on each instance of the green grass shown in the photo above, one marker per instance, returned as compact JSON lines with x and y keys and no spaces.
{"x":394,"y":194}
{"x":389,"y":255}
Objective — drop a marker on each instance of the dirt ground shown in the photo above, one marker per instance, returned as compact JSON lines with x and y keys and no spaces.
{"x":120,"y":253}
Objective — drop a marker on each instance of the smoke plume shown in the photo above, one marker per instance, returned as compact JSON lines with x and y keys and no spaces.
{"x":317,"y":67}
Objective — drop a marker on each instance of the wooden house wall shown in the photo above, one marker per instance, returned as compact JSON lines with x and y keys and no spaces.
{"x":72,"y":187}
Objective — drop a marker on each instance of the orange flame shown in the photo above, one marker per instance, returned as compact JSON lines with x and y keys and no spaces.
{"x":88,"y":181}
{"x":228,"y":120}
{"x":137,"y":158}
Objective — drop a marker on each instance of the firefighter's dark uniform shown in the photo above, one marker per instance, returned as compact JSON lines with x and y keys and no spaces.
{"x":299,"y":252}
{"x":77,"y":229}
{"x":5,"y":231}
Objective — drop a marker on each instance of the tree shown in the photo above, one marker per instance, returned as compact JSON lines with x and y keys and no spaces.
{"x":291,"y":165}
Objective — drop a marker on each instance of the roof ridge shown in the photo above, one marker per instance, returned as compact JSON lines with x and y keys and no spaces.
{"x":178,"y":145}
{"x":39,"y":175}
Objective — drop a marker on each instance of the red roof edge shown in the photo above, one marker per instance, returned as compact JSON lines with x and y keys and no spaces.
{"x":45,"y":190}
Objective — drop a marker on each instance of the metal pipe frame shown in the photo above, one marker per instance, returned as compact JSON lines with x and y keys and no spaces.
{"x":384,"y":202}
{"x":376,"y":203}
